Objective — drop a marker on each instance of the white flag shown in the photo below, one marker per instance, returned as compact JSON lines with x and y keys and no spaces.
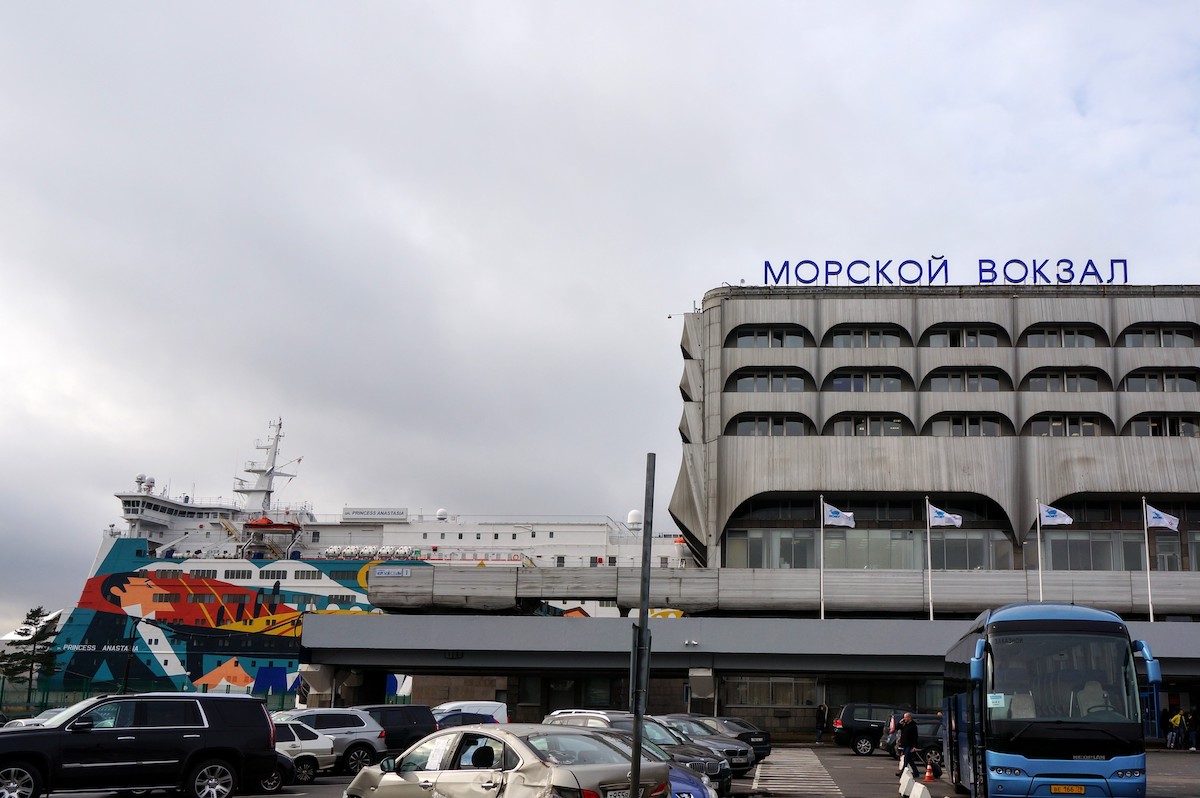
{"x":1159,"y":518}
{"x":835,"y":517}
{"x":1052,"y":516}
{"x":942,"y":518}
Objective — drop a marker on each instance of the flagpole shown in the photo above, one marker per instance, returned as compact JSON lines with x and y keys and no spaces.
{"x":1039,"y":547}
{"x":1146,"y":532}
{"x":928,"y":558}
{"x":821,"y":553}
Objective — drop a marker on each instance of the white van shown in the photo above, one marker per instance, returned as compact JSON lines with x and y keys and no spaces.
{"x":497,"y":709}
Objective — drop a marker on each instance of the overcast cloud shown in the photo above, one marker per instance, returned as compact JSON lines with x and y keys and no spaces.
{"x":443,"y":240}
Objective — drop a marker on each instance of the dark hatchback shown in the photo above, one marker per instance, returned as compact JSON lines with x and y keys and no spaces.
{"x":744,"y":730}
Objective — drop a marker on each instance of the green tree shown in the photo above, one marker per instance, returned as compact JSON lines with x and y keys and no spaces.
{"x":30,"y":654}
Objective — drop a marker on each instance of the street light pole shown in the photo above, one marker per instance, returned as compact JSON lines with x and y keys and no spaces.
{"x":640,"y":673}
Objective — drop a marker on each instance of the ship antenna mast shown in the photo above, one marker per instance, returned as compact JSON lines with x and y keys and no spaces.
{"x":258,"y":498}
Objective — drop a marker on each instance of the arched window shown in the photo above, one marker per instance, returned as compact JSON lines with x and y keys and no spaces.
{"x":769,"y":424}
{"x":768,"y":336}
{"x":768,"y":380}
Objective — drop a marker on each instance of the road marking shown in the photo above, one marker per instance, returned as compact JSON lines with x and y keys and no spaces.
{"x":794,"y":772}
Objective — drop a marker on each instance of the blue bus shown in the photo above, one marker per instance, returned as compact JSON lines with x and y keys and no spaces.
{"x":1042,"y":699}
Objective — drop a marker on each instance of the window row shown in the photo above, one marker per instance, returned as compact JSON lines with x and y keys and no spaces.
{"x":886,"y":336}
{"x":963,"y":425}
{"x":957,"y":549}
{"x":950,"y":380}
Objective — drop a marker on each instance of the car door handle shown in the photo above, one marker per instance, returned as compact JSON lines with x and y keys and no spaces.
{"x":127,"y":737}
{"x":490,"y":784}
{"x":426,"y":784}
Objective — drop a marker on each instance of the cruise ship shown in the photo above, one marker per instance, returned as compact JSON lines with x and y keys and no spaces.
{"x":211,"y":594}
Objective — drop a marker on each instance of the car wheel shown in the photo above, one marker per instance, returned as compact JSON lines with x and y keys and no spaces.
{"x":19,"y":780}
{"x":863,"y":746}
{"x":212,"y":778}
{"x":271,"y":784}
{"x":306,"y":770}
{"x":933,"y":754}
{"x":358,"y":758}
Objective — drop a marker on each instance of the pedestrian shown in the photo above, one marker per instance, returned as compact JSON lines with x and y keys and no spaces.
{"x":1175,"y":736}
{"x":822,"y":717}
{"x":907,"y":740}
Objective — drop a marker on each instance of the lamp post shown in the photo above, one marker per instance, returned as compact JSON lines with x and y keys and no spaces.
{"x":639,"y":671}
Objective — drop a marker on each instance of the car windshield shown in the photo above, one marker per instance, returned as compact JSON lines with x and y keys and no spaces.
{"x":62,"y":715}
{"x":690,"y":726}
{"x":567,"y":747}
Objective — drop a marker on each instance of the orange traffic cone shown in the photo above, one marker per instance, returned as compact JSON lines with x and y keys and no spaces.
{"x":929,"y":770}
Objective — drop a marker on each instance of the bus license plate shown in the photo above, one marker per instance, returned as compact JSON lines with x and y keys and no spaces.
{"x":1067,"y":789}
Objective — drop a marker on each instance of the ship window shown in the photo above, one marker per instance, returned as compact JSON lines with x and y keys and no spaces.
{"x":338,"y":598}
{"x":201,"y":598}
{"x":272,"y":574}
{"x":238,"y":574}
{"x":313,"y":574}
{"x":234,"y":598}
{"x":166,"y":598}
{"x":203,"y":573}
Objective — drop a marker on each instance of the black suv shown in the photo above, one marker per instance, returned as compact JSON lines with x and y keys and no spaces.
{"x":204,"y":745}
{"x":861,"y":725}
{"x":403,"y":724}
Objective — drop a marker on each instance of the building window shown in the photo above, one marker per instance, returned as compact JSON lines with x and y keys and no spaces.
{"x":769,"y":336}
{"x":767,"y":381}
{"x":946,"y":337}
{"x":966,"y":426}
{"x":1065,"y":426}
{"x":768,"y":691}
{"x":1154,"y":337}
{"x":1164,"y":426}
{"x":965,"y":382}
{"x":1061,"y":336}
{"x":769,"y":424}
{"x":868,"y":426}
{"x":1061,"y":381}
{"x":866,"y":338}
{"x":1091,"y":550}
{"x":1161,"y":382}
{"x":866,"y":382}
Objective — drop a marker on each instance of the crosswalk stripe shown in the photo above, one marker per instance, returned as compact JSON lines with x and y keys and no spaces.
{"x":794,"y":772}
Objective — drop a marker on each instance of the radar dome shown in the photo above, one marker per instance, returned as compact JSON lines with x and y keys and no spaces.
{"x":442,"y":515}
{"x":634,"y":519}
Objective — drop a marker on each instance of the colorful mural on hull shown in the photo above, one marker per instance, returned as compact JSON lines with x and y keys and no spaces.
{"x":147,"y":623}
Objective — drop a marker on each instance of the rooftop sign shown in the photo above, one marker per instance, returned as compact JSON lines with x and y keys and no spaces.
{"x":1014,"y":271}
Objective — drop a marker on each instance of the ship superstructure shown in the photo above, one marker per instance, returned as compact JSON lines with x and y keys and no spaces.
{"x":210,"y":594}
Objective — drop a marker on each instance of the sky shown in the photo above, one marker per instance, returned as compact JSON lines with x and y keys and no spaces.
{"x":450,"y":244}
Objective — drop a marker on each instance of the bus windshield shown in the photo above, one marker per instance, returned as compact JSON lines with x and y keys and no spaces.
{"x":1078,"y":677}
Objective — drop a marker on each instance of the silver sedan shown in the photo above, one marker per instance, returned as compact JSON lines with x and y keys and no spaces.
{"x":526,"y":760}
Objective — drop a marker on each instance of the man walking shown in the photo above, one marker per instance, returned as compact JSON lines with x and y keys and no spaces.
{"x":908,"y":742}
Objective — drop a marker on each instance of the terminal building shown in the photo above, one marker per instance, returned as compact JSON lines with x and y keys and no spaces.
{"x":863,"y":471}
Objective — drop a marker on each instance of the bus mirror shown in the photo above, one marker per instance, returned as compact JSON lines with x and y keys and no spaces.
{"x":977,"y":661}
{"x":1153,"y":669}
{"x":1153,"y":672}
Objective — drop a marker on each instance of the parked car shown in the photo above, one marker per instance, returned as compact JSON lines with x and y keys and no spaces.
{"x":281,"y":776}
{"x":497,"y":709}
{"x":358,"y":740}
{"x":929,"y":736}
{"x":36,"y":720}
{"x":744,"y":730}
{"x":860,"y":726}
{"x":716,"y":765}
{"x":205,"y":745}
{"x":463,"y":719}
{"x":686,"y":782}
{"x":530,"y":760}
{"x":740,"y":754}
{"x":404,"y":724}
{"x":310,"y":751}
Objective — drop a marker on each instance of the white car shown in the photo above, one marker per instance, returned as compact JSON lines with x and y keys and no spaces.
{"x":36,"y":720}
{"x":310,"y":751}
{"x":497,"y":709}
